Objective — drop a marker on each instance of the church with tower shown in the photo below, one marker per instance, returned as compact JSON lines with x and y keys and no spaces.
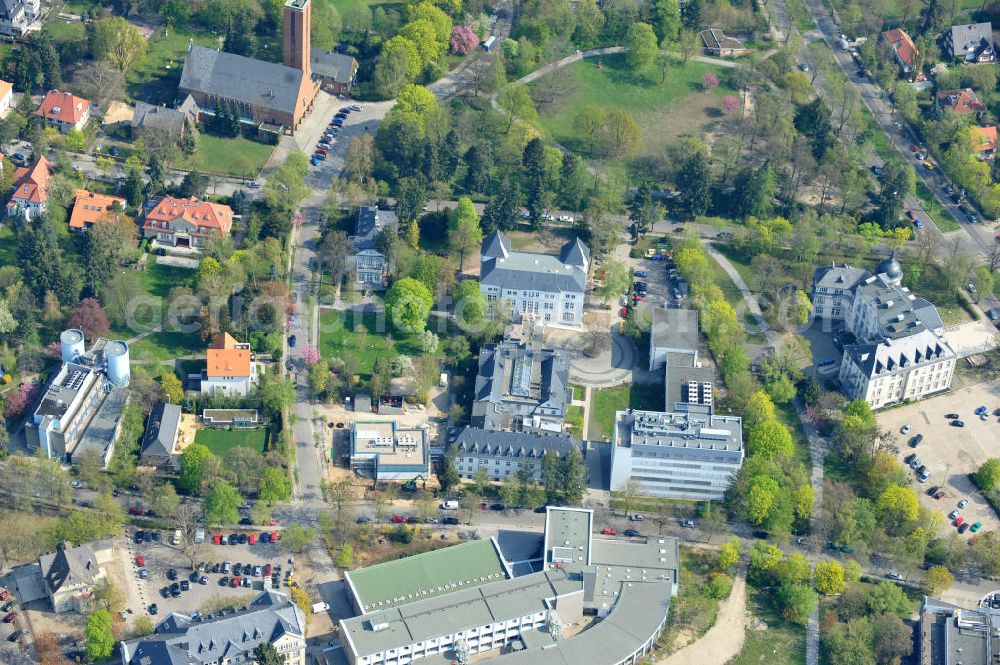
{"x":900,"y":352}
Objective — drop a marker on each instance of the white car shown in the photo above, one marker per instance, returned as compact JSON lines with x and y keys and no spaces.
{"x":954,"y":514}
{"x":906,"y":429}
{"x":566,"y":218}
{"x":963,"y":503}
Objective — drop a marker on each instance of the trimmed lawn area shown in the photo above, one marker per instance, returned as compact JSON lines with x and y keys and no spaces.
{"x":167,"y":346}
{"x":156,"y":81}
{"x":158,"y":279}
{"x":932,"y":286}
{"x":346,"y":8}
{"x":362,"y":336}
{"x":935,"y":210}
{"x":65,"y":31}
{"x":8,"y":246}
{"x":604,"y":404}
{"x":578,"y":391}
{"x":220,"y":441}
{"x":676,"y":107}
{"x":574,"y":418}
{"x":236,"y":156}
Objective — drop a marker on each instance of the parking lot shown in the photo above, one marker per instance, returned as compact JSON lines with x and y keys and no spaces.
{"x":8,"y":606}
{"x":158,"y":558}
{"x":660,"y":287}
{"x":951,"y":453}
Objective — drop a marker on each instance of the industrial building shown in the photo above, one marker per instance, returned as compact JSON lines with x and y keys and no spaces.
{"x":82,"y":405}
{"x":381,"y":451}
{"x":953,"y":635}
{"x":594,"y":601}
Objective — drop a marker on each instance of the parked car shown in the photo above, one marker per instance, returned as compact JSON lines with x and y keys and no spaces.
{"x":450,"y":520}
{"x":632,"y":533}
{"x":688,"y":524}
{"x":153,"y":609}
{"x":906,"y":429}
{"x":140,"y":561}
{"x":397,"y":519}
{"x":171,"y":574}
{"x":963,"y":527}
{"x":953,"y":514}
{"x":635,"y":517}
{"x":976,"y":527}
{"x":958,"y":423}
{"x":960,"y":521}
{"x":224,"y":581}
{"x":138,"y":537}
{"x":364,"y":519}
{"x":10,"y":617}
{"x":608,"y":531}
{"x":951,"y":416}
{"x":915,"y":441}
{"x":894,"y":576}
{"x":292,"y":341}
{"x":963,"y":503}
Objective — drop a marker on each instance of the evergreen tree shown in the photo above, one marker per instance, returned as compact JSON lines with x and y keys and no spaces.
{"x":477,"y":174}
{"x":691,"y":14}
{"x":451,"y":154}
{"x":571,"y":181}
{"x":430,"y":163}
{"x":533,"y":160}
{"x":694,"y":182}
{"x":667,"y":20}
{"x":501,"y":213}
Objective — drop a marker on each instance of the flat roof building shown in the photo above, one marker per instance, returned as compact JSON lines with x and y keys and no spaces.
{"x":672,"y":331}
{"x":382,"y":451}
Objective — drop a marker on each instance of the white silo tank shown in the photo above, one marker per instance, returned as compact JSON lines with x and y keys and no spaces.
{"x":71,"y":344}
{"x":116,"y":359}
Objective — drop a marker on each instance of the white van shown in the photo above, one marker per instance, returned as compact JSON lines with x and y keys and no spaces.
{"x":176,"y":540}
{"x":199,"y":536}
{"x":320,"y":607}
{"x":449,"y":505}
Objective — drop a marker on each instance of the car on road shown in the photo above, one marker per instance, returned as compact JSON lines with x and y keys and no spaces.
{"x":608,"y":531}
{"x":632,"y":533}
{"x":976,"y":527}
{"x":292,"y":341}
{"x":963,"y":503}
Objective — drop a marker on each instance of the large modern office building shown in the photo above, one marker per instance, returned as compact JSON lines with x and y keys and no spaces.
{"x":590,"y":601}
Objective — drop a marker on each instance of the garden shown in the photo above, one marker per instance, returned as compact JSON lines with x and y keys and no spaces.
{"x":220,"y":441}
{"x":606,"y":402}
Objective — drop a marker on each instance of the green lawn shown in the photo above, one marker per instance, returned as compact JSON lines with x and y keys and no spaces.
{"x":574,"y":418}
{"x":157,"y":279}
{"x":8,"y":246}
{"x":935,"y":210}
{"x":348,"y":8}
{"x":933,"y":287}
{"x":782,"y":643}
{"x":362,"y":338}
{"x":156,"y":81}
{"x":578,"y":391}
{"x":604,"y":404}
{"x":676,"y":107}
{"x":65,"y":31}
{"x":167,"y":346}
{"x":228,"y":156}
{"x":219,"y":441}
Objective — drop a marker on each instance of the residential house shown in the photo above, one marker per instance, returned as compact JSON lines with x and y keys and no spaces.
{"x":904,"y":51}
{"x":90,"y":208}
{"x":231,"y":368}
{"x":970,"y":43}
{"x":368,"y":263}
{"x":190,"y":222}
{"x":6,"y":97}
{"x":274,"y":97}
{"x":548,"y":288}
{"x":70,"y":574}
{"x":504,"y":454}
{"x":31,"y":189}
{"x":18,"y":17}
{"x":64,"y":111}
{"x":520,"y":388}
{"x":159,"y":443}
{"x":82,"y":405}
{"x":833,"y":290}
{"x":170,"y":122}
{"x":335,"y":71}
{"x":960,"y":101}
{"x":223,"y":638}
{"x":717,"y":43}
{"x":984,"y":141}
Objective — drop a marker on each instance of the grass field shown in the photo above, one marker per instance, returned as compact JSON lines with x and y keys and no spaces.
{"x":8,"y":246}
{"x":167,"y":346}
{"x":228,"y":156}
{"x":692,"y":611}
{"x":156,"y":81}
{"x":348,"y":8}
{"x":783,"y":643}
{"x":220,"y":441}
{"x":935,"y":210}
{"x":604,"y":404}
{"x":932,"y":286}
{"x":677,"y":107}
{"x":363,"y":339}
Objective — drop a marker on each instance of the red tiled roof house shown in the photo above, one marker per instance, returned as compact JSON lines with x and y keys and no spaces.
{"x":960,"y":101}
{"x":904,"y":50}
{"x":984,"y":140}
{"x":64,"y":111}
{"x":31,"y":189}
{"x":91,"y":208}
{"x":187,"y":222}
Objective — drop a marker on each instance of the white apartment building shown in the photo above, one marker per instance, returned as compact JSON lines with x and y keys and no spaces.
{"x":907,"y":368}
{"x":550,"y":289}
{"x":833,"y":290}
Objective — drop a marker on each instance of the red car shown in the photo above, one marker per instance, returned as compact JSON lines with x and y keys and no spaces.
{"x":4,"y":594}
{"x":235,"y":582}
{"x":911,"y":214}
{"x":639,"y":298}
{"x":139,"y":561}
{"x":608,"y":531}
{"x":274,"y":536}
{"x":484,"y":506}
{"x":10,"y":617}
{"x":274,"y":522}
{"x":252,"y":538}
{"x":217,"y":539}
{"x":397,"y":519}
{"x":322,"y":151}
{"x":960,"y":521}
{"x":267,"y":570}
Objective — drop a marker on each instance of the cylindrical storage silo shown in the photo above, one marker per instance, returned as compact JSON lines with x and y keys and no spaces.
{"x":116,"y":357}
{"x":71,"y":344}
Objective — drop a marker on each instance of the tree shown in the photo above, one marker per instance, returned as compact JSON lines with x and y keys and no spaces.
{"x":464,"y":233}
{"x":193,"y":463}
{"x":729,"y":555}
{"x":99,"y":635}
{"x":797,"y":602}
{"x":759,"y":409}
{"x":641,"y":46}
{"x":108,"y":597}
{"x":409,"y":303}
{"x":887,"y":598}
{"x":516,"y":101}
{"x":987,"y":478}
{"x":464,"y":40}
{"x":623,"y":134}
{"x":667,"y":19}
{"x":447,"y":473}
{"x":573,"y":474}
{"x":533,"y":160}
{"x":90,"y":317}
{"x":898,"y":505}
{"x":275,"y":485}
{"x":693,"y":181}
{"x":892,"y":638}
{"x":770,"y":440}
{"x":286,"y":186}
{"x":938,"y":580}
{"x":109,"y":244}
{"x":119,"y":42}
{"x":296,"y":538}
{"x":222,"y":503}
{"x":469,"y":303}
{"x":616,"y":280}
{"x":266,"y":654}
{"x":830,"y":577}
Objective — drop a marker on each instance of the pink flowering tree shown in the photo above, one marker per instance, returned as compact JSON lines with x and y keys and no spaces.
{"x":18,"y":402}
{"x":311,"y":354}
{"x":709,"y":81}
{"x":730,"y":103}
{"x":464,"y":39}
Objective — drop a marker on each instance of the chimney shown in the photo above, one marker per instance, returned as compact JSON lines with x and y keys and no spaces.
{"x":298,"y":22}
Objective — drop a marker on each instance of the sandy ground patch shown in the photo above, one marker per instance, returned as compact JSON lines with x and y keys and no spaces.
{"x":724,"y":640}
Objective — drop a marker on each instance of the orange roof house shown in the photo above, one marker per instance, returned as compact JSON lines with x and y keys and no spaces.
{"x":963,"y":100}
{"x":64,"y":110}
{"x":6,"y":89}
{"x":89,"y":208}
{"x":31,"y":188}
{"x":187,"y":222}
{"x":984,"y":139}
{"x":903,"y":48}
{"x":230,"y":368}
